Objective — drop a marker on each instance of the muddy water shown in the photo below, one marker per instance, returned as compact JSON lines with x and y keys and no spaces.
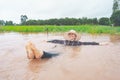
{"x":73,"y":63}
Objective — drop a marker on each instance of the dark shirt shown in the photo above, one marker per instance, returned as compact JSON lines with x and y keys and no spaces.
{"x":73,"y":43}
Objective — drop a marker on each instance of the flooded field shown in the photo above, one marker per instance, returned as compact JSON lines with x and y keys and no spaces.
{"x":73,"y":63}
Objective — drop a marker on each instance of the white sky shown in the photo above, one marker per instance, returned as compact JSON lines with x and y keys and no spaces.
{"x":45,"y":9}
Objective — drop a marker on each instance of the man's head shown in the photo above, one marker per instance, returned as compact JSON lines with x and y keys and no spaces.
{"x":72,"y":35}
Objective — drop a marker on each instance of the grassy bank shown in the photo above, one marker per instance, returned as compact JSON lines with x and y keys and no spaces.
{"x":80,"y":28}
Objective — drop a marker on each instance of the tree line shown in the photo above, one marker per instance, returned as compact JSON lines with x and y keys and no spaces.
{"x":69,"y":21}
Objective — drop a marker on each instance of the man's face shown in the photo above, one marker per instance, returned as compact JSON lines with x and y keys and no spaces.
{"x":72,"y":36}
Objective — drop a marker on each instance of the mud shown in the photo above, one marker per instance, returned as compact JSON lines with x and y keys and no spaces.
{"x":73,"y":63}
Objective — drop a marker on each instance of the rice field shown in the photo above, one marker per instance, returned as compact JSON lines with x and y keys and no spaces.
{"x":93,"y":29}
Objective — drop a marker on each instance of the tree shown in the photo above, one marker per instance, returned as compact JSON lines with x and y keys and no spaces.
{"x":2,"y":22}
{"x":115,"y":5}
{"x":8,"y":23}
{"x":115,"y":18}
{"x":23,"y":19}
{"x":84,"y":20}
{"x":95,"y":21}
{"x":31,"y":22}
{"x":104,"y":21}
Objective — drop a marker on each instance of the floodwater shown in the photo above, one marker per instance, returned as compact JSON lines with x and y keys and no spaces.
{"x":73,"y":63}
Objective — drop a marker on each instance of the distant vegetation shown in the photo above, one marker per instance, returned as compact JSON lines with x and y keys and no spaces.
{"x":94,"y":29}
{"x":69,"y":21}
{"x":61,"y":21}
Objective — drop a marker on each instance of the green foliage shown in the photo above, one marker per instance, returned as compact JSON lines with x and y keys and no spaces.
{"x":95,"y":21}
{"x":51,"y":28}
{"x":63,"y":21}
{"x":23,"y":19}
{"x":115,"y":6}
{"x":2,"y":22}
{"x":9,"y":23}
{"x":104,"y":21}
{"x":115,"y":18}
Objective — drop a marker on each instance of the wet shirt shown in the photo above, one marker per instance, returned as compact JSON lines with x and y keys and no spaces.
{"x":73,"y":43}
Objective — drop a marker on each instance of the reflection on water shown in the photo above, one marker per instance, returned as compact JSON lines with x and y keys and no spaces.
{"x":73,"y":52}
{"x":115,"y":38}
{"x":74,"y":63}
{"x":36,"y":64}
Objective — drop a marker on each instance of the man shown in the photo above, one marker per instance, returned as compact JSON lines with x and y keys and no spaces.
{"x":71,"y":39}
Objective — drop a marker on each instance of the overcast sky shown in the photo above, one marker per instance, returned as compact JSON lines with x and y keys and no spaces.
{"x":45,"y":9}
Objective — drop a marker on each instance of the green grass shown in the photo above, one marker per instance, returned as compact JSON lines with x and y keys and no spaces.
{"x":94,"y":29}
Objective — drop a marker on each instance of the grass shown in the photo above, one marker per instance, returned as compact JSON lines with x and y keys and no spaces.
{"x":93,"y":29}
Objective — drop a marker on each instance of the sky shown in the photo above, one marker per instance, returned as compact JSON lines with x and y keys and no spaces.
{"x":46,"y":9}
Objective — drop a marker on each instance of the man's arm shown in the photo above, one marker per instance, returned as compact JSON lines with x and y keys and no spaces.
{"x":90,"y":43}
{"x":56,"y":41}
